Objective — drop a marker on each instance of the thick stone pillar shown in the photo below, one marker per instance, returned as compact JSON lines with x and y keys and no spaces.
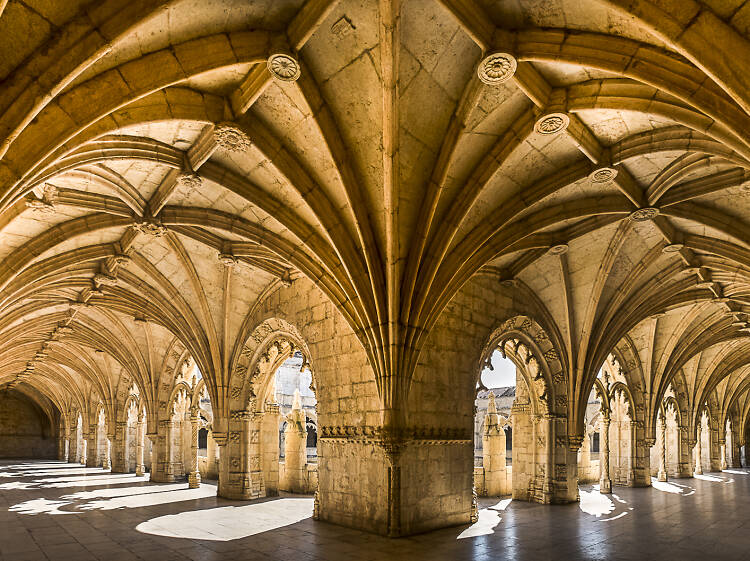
{"x":161,"y":459}
{"x":295,"y":449}
{"x":120,"y":449}
{"x":92,"y":456}
{"x":662,"y":427}
{"x":493,"y":448}
{"x":62,"y":446}
{"x":240,"y":473}
{"x":140,"y":434}
{"x":605,"y":483}
{"x":697,"y":453}
{"x":194,"y":476}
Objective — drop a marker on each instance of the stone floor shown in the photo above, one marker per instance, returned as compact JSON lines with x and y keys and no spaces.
{"x":52,"y":510}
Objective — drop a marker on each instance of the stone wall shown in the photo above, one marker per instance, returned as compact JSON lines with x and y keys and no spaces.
{"x":24,"y":431}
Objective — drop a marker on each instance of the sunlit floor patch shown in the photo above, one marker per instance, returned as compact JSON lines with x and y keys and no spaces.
{"x":705,"y":477}
{"x":488,"y":519}
{"x":734,"y":471}
{"x":595,"y":503}
{"x":109,"y":499}
{"x":230,"y":522}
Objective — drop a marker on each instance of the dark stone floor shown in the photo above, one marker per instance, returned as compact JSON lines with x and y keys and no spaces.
{"x":58,"y":511}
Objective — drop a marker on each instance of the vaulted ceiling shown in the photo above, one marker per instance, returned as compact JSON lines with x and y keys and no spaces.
{"x":165,"y":164}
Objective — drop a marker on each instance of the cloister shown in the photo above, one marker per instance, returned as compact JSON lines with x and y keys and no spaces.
{"x":277,"y":248}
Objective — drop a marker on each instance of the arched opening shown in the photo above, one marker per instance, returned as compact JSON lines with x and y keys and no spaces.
{"x":493,"y":436}
{"x":588,"y":454}
{"x":297,"y":405}
{"x":728,"y":459}
{"x":207,"y":449}
{"x":609,"y":416}
{"x":705,"y":436}
{"x":102,"y":441}
{"x":80,"y":441}
{"x":131,"y":436}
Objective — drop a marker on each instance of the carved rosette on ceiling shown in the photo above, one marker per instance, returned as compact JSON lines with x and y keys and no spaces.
{"x":644,"y":214}
{"x":231,"y":138}
{"x":496,"y":68}
{"x":603,"y":175}
{"x":552,"y":123}
{"x":284,"y":67}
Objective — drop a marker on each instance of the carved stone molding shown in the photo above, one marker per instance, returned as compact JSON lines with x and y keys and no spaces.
{"x":284,"y":67}
{"x":496,"y":68}
{"x":552,"y":123}
{"x":412,"y":435}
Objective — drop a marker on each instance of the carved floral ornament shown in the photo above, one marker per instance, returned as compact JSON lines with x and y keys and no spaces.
{"x":553,"y":123}
{"x":284,"y":67}
{"x":496,"y":68}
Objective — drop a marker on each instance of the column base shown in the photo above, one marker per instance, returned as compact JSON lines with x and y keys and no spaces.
{"x":140,"y":470}
{"x":662,"y":476}
{"x":605,"y":486}
{"x":194,"y":480}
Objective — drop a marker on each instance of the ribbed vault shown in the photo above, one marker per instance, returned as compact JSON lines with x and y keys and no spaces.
{"x":166,"y":166}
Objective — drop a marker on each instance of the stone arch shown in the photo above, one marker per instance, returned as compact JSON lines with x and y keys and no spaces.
{"x":546,"y":474}
{"x":253,"y":468}
{"x":265,"y":348}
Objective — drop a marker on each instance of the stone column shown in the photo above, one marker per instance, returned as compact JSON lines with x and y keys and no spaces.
{"x":662,"y":427}
{"x":698,"y":462}
{"x":119,"y":448}
{"x":72,"y":447}
{"x":106,"y":462}
{"x":605,"y":483}
{"x":161,"y":453}
{"x":92,"y":459}
{"x":140,"y":433}
{"x":736,"y":459}
{"x":62,"y":445}
{"x":295,"y":449}
{"x":724,"y":464}
{"x":493,"y":449}
{"x":194,"y":476}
